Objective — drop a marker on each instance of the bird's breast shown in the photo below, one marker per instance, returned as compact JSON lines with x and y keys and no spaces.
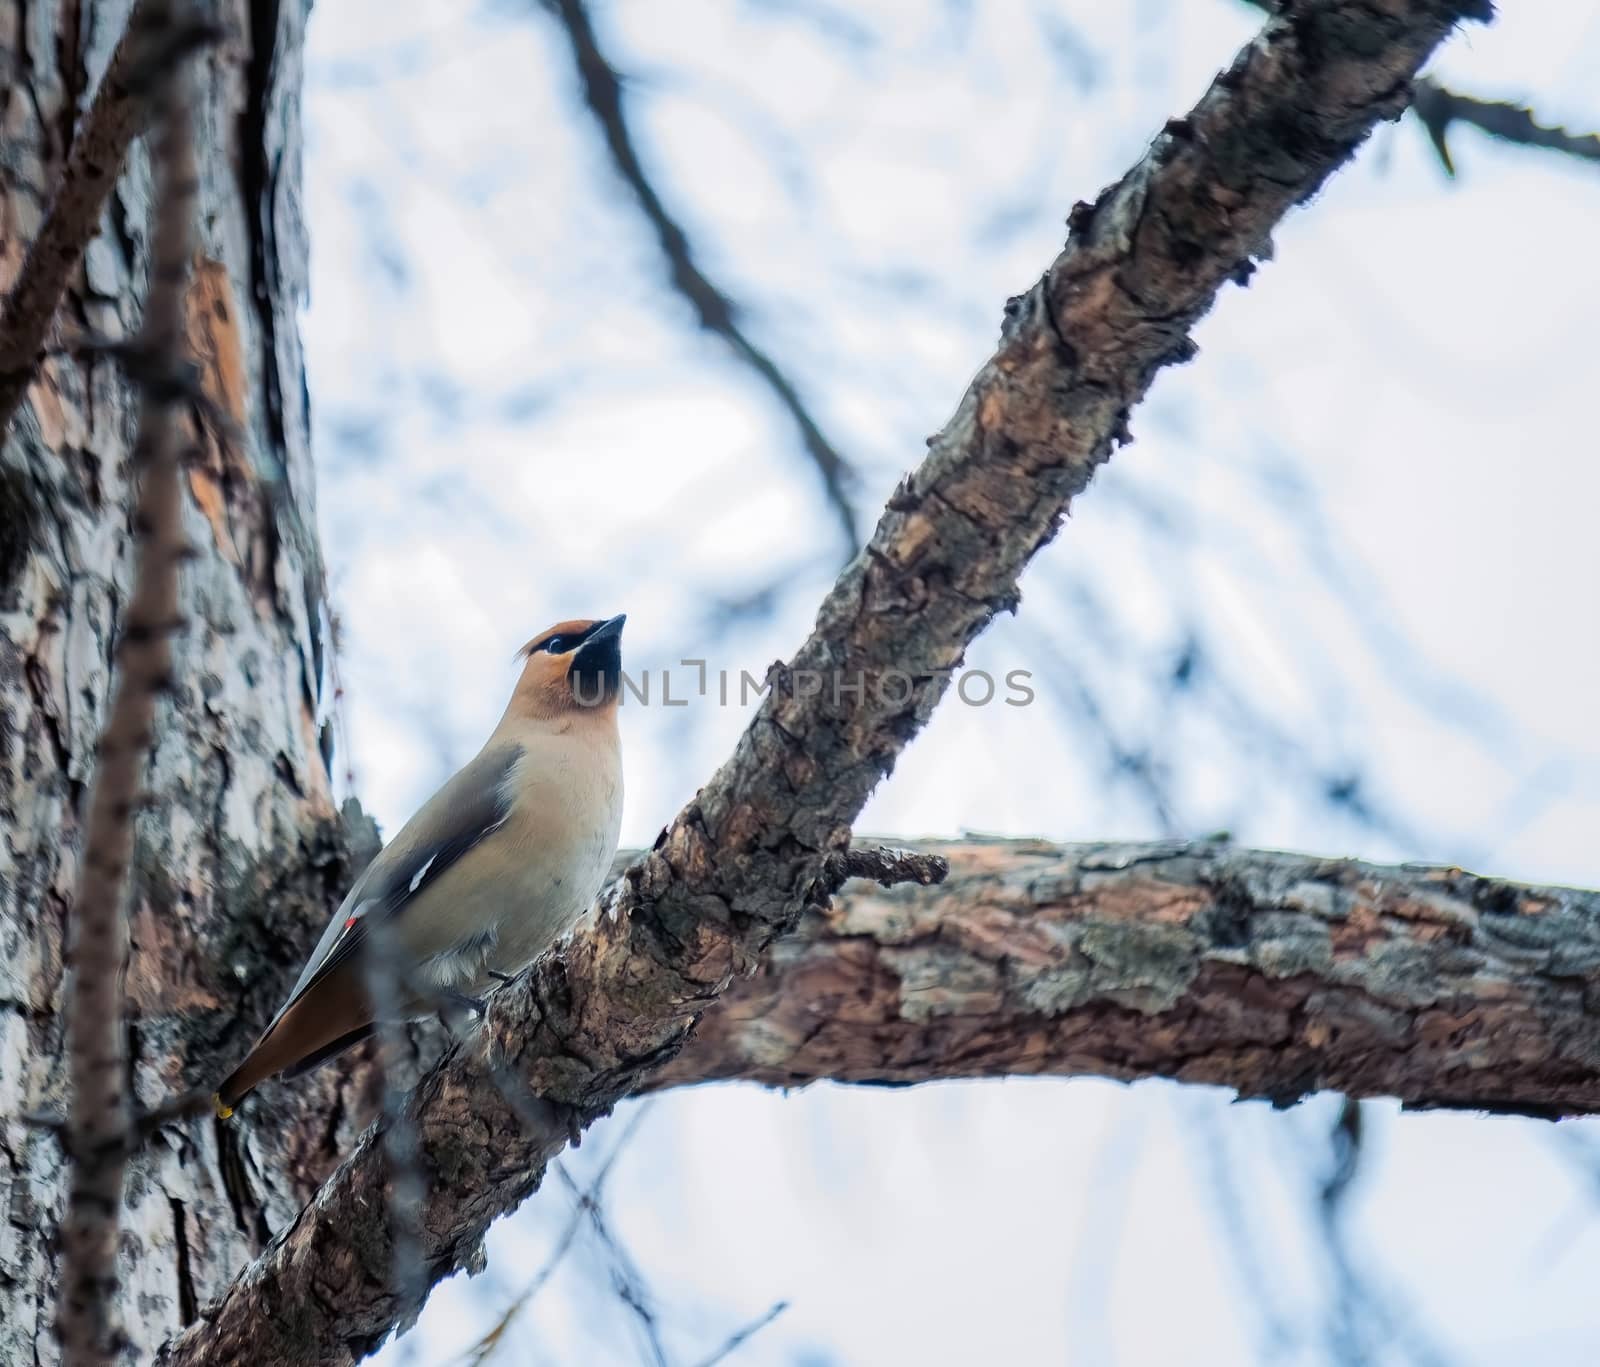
{"x":558,"y":842}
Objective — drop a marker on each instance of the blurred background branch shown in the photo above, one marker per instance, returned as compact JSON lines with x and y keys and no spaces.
{"x":102,"y":1129}
{"x":603,"y":97}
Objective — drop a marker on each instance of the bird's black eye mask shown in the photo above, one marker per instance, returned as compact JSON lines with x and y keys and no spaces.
{"x":568,"y":640}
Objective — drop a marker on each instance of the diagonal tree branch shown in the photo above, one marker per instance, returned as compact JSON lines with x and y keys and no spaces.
{"x":740,"y":864}
{"x":101,"y":1126}
{"x":148,"y":48}
{"x":717,"y":313}
{"x":1273,"y":974}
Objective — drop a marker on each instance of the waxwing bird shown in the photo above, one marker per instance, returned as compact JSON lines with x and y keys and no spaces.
{"x":493,"y":870}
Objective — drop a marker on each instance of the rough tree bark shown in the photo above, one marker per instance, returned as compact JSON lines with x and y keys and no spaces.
{"x":237,"y":860}
{"x":1272,"y":974}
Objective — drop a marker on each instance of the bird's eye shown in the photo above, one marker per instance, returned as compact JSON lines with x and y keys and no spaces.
{"x":556,"y":645}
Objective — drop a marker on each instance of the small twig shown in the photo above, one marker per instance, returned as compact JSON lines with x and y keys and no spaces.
{"x":407,"y":1189}
{"x":484,"y":1348}
{"x":626,"y":1280}
{"x":886,"y":865}
{"x":717,"y":313}
{"x":154,"y":370}
{"x":1344,"y":1142}
{"x":1437,"y":108}
{"x":1365,"y":1316}
{"x":739,"y":1338}
{"x":585,"y":1202}
{"x":101,"y":1129}
{"x":144,"y":1126}
{"x":585,"y":1205}
{"x":151,"y":47}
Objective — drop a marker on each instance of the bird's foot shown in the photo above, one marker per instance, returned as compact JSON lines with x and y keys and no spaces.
{"x":476,"y":1005}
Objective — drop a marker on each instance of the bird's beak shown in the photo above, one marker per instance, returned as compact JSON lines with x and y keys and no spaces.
{"x":606,"y":631}
{"x":596,"y":670}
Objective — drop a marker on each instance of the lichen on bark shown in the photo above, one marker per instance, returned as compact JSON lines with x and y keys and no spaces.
{"x":1272,"y":974}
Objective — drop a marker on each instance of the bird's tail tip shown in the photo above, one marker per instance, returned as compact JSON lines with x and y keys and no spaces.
{"x":221,"y":1107}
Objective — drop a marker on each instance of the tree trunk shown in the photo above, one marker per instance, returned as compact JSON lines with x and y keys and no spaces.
{"x":241,"y":850}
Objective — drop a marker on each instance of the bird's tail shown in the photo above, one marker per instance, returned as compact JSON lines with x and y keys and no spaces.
{"x":312,"y":1029}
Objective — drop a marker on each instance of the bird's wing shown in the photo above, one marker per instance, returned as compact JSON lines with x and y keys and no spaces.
{"x":470,"y":806}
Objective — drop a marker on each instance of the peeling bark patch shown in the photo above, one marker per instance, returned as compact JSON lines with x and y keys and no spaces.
{"x":223,"y":477}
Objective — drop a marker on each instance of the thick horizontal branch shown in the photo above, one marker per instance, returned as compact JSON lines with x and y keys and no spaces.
{"x":739,"y":865}
{"x":1273,"y":974}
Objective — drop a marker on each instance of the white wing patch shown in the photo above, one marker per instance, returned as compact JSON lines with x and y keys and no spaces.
{"x":420,"y":874}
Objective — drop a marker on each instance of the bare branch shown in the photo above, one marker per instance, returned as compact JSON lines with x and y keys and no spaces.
{"x":717,"y":313}
{"x":1365,"y":1317}
{"x":383,"y":973}
{"x":627,"y":1283}
{"x":102,"y":1125}
{"x":739,"y":865}
{"x":184,"y":1106}
{"x":1437,"y":108}
{"x":1273,"y":974}
{"x":740,"y":1337}
{"x":887,"y":865}
{"x":150,"y":47}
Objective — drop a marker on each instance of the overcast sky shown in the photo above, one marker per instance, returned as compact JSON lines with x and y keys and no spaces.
{"x":1363,"y":516}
